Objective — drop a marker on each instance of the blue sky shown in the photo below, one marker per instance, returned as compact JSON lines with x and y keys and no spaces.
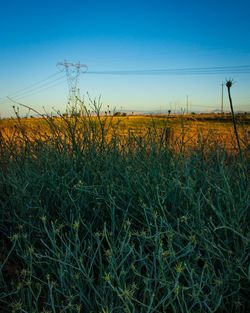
{"x":124,"y":35}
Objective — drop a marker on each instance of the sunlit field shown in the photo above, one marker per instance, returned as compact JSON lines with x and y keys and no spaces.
{"x":177,"y":131}
{"x":107,"y":214}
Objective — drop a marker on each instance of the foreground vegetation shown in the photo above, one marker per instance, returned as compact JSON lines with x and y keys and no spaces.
{"x":92,"y":221}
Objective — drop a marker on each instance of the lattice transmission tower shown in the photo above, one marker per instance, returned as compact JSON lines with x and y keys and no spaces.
{"x":73,"y":71}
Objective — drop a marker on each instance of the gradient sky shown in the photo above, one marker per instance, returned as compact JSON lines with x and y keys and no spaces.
{"x":124,"y":35}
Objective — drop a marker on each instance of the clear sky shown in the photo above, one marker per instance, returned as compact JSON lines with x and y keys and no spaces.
{"x":110,"y":35}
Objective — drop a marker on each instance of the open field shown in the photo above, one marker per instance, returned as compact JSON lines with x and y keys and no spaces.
{"x":179,"y":130}
{"x":124,"y":214}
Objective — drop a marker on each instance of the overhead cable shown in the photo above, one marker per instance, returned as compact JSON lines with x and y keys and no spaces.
{"x":31,"y":86}
{"x":242,"y":69}
{"x":40,"y":90}
{"x":40,"y":87}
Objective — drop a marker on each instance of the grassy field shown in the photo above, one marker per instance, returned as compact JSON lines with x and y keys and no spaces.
{"x":179,"y":130}
{"x":125,"y":214}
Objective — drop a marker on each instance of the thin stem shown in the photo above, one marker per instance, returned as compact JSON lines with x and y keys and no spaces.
{"x":234,"y":120}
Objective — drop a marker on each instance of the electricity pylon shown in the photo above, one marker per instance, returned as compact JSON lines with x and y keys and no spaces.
{"x":73,"y":71}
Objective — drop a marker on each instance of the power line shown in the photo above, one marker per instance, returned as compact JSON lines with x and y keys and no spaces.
{"x":240,"y":69}
{"x":73,"y":75}
{"x":40,"y":90}
{"x":34,"y":84}
{"x":73,"y":70}
{"x":34,"y":93}
{"x":41,"y":87}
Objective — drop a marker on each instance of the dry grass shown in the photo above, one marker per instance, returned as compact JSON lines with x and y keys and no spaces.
{"x":178,"y":130}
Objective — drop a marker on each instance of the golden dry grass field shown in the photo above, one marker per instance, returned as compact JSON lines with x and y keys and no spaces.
{"x":174,"y":130}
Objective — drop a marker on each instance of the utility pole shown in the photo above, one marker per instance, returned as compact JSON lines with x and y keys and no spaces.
{"x":222,"y":87}
{"x":73,"y":71}
{"x":187,"y":104}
